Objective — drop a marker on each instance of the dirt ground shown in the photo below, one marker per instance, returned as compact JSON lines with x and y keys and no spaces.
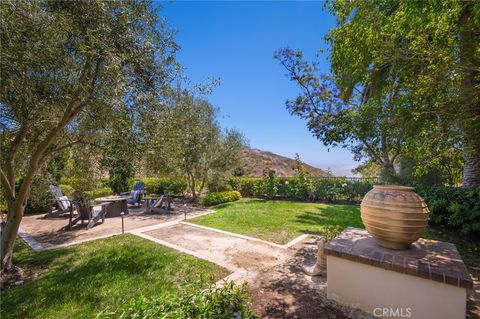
{"x":49,"y":232}
{"x":238,"y":252}
{"x":279,"y":287}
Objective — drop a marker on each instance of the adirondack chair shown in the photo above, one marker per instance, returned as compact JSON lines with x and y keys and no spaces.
{"x":163,"y":203}
{"x":136,"y":193}
{"x":62,"y":203}
{"x":85,"y":211}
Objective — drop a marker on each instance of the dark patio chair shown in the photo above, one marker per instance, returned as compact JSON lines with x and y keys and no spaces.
{"x":85,"y":211}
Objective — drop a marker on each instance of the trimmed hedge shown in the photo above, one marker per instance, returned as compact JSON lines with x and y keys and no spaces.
{"x":312,"y":189}
{"x":94,"y":193}
{"x":452,"y":206}
{"x":99,"y":192}
{"x":216,"y":198}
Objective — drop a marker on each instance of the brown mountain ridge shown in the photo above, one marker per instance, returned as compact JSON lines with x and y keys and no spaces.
{"x":255,"y":162}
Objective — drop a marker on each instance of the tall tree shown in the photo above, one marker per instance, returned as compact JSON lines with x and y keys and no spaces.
{"x":434,"y":48}
{"x":66,"y":68}
{"x":188,"y":141}
{"x":370,"y":120}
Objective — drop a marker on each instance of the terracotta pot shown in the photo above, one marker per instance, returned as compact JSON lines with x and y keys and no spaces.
{"x":394,"y":215}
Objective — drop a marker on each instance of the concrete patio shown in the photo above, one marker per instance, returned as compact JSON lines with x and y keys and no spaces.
{"x":49,"y":232}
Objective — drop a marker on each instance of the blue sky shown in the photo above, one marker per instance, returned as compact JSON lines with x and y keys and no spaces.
{"x":235,"y":41}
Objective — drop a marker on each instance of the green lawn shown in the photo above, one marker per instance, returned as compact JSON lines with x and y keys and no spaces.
{"x":282,"y":221}
{"x":82,"y":280}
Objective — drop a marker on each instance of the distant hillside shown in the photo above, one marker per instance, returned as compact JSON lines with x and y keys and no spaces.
{"x":256,"y":161}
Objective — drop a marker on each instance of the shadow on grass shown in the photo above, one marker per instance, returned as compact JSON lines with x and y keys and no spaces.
{"x":335,"y":216}
{"x":243,"y":202}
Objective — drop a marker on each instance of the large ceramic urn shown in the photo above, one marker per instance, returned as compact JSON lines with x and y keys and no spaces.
{"x":395,"y":216}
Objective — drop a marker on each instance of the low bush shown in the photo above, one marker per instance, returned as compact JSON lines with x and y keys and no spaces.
{"x":453,"y":206}
{"x":41,"y":199}
{"x":94,"y":193}
{"x":227,"y":302}
{"x":216,"y":198}
{"x":245,"y":185}
{"x":66,"y":189}
{"x":99,"y":192}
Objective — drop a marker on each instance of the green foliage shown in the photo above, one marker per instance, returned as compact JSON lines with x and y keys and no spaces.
{"x":66,"y":189}
{"x":120,"y":148}
{"x":429,"y":49}
{"x":218,"y":182}
{"x":188,"y":141}
{"x":216,"y":198}
{"x":330,"y":232}
{"x":245,"y":185}
{"x":313,"y":189}
{"x":99,"y":192}
{"x":68,"y":68}
{"x":41,"y":199}
{"x":455,"y":207}
{"x":269,"y":187}
{"x":154,"y":185}
{"x":120,"y":173}
{"x":239,"y":171}
{"x":229,"y":301}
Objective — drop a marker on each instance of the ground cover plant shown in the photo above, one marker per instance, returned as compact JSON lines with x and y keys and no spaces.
{"x":281,"y":221}
{"x":83,"y":280}
{"x":226,"y":302}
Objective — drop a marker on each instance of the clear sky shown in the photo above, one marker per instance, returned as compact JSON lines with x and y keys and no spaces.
{"x":235,"y":41}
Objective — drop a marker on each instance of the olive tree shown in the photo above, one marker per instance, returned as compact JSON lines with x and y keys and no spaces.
{"x":67,"y":67}
{"x":188,"y":141}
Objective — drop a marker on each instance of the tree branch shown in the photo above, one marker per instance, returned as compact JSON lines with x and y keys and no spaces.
{"x":10,"y":165}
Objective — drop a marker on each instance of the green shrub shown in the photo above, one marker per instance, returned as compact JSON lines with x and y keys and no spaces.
{"x":216,"y":198}
{"x":94,"y":193}
{"x":41,"y":199}
{"x":312,"y":189}
{"x":218,"y":183}
{"x":227,"y":302}
{"x":453,"y":206}
{"x":99,"y":192}
{"x":67,"y":190}
{"x":245,"y":185}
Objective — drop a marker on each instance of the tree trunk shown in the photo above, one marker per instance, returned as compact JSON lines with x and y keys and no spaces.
{"x":191,"y":178}
{"x":388,"y":173}
{"x":471,"y":170}
{"x":202,"y":185}
{"x":9,"y":234}
{"x":470,"y":66}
